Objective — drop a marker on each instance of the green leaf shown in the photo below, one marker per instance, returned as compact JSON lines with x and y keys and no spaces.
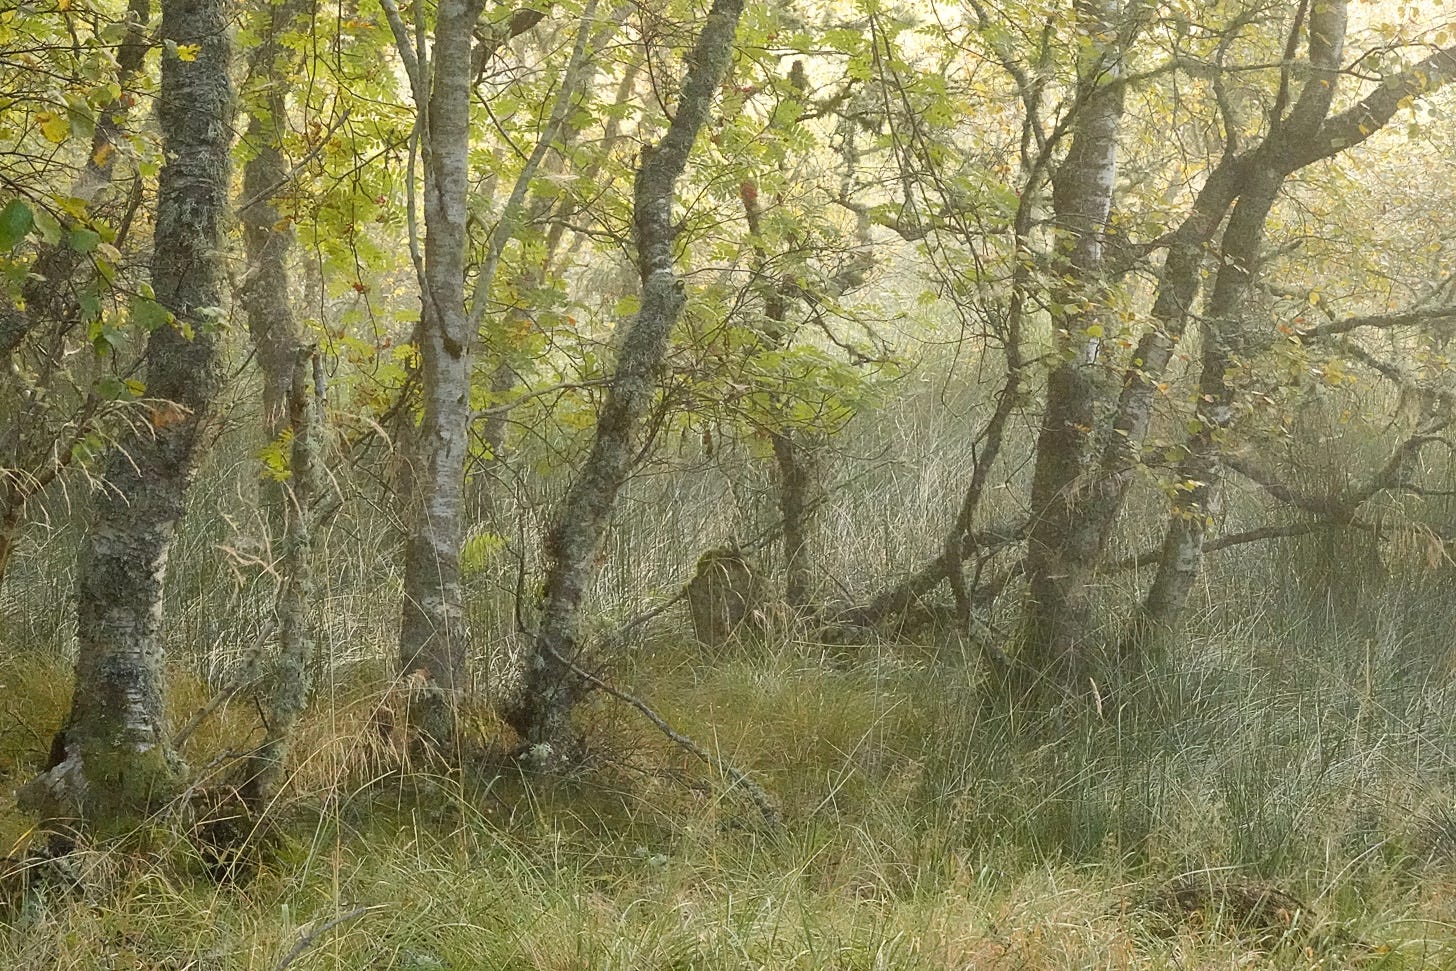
{"x":84,"y":240}
{"x":48,"y":226}
{"x":15,"y":221}
{"x":90,"y":304}
{"x":478,"y":550}
{"x":148,"y":314}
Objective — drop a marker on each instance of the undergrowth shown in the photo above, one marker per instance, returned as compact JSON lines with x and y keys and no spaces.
{"x":927,"y":826}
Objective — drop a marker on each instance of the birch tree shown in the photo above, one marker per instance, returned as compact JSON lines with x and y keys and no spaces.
{"x":433,"y":633}
{"x":1305,"y":135}
{"x":1061,"y":549}
{"x":541,"y":715}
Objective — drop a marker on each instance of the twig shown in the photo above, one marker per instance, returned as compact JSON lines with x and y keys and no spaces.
{"x":313,"y":153}
{"x":522,"y":399}
{"x":217,"y":701}
{"x":412,"y":67}
{"x":645,"y":616}
{"x":306,"y":941}
{"x":752,"y":789}
{"x":247,"y":675}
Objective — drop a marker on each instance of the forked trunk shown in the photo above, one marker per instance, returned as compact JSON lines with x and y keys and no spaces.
{"x":1227,"y":340}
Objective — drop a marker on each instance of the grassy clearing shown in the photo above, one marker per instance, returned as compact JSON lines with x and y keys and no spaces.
{"x":928,"y":829}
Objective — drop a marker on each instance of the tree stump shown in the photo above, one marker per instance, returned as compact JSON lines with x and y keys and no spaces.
{"x":723,"y":596}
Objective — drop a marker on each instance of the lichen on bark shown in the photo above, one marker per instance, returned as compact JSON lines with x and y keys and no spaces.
{"x":113,"y":762}
{"x":541,"y":713}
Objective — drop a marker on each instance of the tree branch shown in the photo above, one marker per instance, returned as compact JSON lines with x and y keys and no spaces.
{"x":1363,"y":119}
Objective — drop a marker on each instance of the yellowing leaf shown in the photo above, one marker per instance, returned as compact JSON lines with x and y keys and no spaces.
{"x":188,"y":52}
{"x":55,"y":128}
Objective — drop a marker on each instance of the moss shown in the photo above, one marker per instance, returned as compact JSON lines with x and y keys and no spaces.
{"x":125,"y":786}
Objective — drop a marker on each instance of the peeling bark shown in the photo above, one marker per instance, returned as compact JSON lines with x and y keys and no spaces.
{"x":542,"y":712}
{"x":114,"y":760}
{"x":433,"y":633}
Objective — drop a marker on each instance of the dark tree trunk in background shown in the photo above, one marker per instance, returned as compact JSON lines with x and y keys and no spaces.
{"x":797,"y":481}
{"x":114,"y":760}
{"x":1227,"y":340}
{"x":798,"y":498}
{"x":542,"y":712}
{"x":266,"y":294}
{"x":290,"y":679}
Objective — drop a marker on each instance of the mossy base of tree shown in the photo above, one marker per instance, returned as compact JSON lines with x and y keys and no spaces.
{"x":433,"y":717}
{"x":110,"y":789}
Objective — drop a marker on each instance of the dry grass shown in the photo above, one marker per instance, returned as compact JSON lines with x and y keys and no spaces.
{"x":927,"y":826}
{"x":926,"y":830}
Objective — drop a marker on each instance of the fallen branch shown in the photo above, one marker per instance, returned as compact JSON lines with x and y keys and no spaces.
{"x":899,"y":598}
{"x":752,"y":789}
{"x":308,"y":938}
{"x":1409,"y":318}
{"x":1150,"y":557}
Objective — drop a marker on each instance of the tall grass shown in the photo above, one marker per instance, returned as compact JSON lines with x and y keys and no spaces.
{"x":928,"y":824}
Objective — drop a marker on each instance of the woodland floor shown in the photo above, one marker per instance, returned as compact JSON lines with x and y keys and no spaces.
{"x":1236,"y":814}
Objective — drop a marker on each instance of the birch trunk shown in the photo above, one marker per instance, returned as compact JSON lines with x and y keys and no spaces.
{"x":542,"y":712}
{"x":113,"y":760}
{"x":1062,"y":547}
{"x":1227,"y":340}
{"x":433,"y":633}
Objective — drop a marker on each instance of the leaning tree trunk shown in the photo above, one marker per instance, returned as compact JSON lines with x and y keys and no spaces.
{"x":113,"y":760}
{"x":1062,"y":548}
{"x":541,"y":714}
{"x":1225,"y":339}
